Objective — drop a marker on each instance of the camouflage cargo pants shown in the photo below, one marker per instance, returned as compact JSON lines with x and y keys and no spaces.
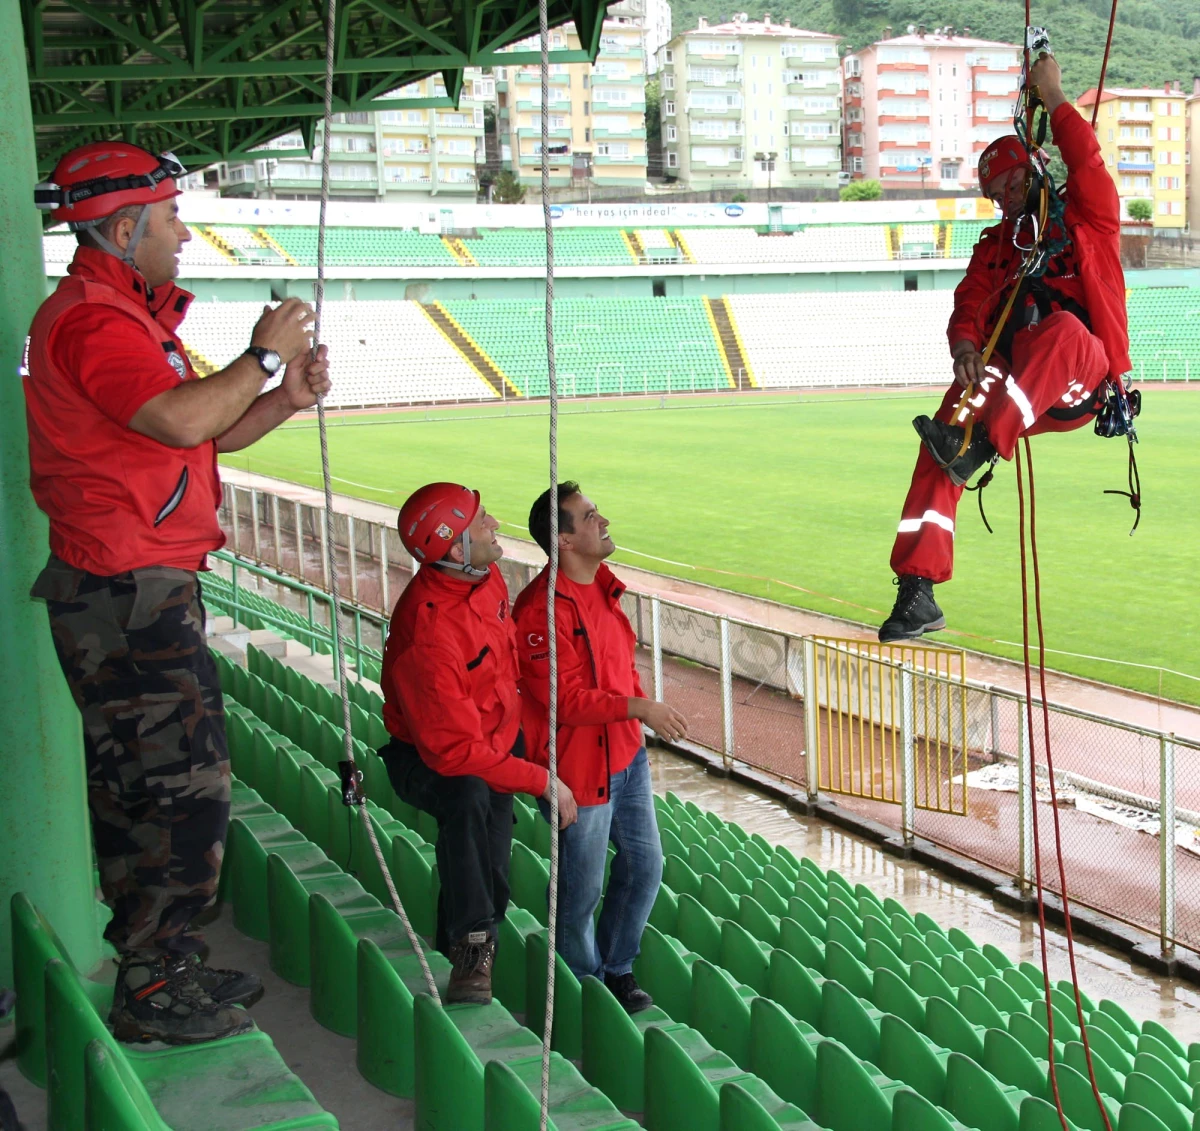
{"x":134,"y":653}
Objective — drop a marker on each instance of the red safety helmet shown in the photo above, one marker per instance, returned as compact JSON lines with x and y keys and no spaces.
{"x":99,"y":178}
{"x":1003,"y":155}
{"x":434,"y":517}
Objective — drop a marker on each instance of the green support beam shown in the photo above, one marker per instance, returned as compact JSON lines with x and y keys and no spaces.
{"x":46,"y":846}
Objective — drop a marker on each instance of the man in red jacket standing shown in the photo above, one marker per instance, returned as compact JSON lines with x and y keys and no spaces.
{"x":123,"y":443}
{"x":1066,"y":333}
{"x":451,"y":705}
{"x":601,"y":749}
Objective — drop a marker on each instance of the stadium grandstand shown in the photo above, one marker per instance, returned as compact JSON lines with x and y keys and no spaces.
{"x":447,"y":306}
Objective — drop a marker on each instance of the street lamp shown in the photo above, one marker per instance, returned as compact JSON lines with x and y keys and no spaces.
{"x":767,"y":159}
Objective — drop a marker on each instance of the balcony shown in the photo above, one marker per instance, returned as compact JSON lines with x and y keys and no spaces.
{"x":619,"y":107}
{"x":716,"y":81}
{"x":557,"y":160}
{"x":1135,"y":166}
{"x":532,"y":76}
{"x":601,"y":79}
{"x":1146,"y":116}
{"x":601,"y":134}
{"x":632,"y":159}
{"x":884,"y":68}
{"x":420,"y":156}
{"x":554,"y":104}
{"x":922,"y":91}
{"x":534,"y":133}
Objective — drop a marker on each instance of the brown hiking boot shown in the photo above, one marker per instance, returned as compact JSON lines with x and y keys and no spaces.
{"x":471,"y":977}
{"x":225,"y":987}
{"x":157,"y":999}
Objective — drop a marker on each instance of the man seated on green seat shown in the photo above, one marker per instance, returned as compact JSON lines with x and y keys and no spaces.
{"x":451,"y":704}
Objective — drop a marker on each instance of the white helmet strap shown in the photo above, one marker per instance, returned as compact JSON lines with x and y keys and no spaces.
{"x":139,"y":229}
{"x":465,"y":567}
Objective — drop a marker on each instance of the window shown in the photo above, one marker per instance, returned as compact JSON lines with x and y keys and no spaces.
{"x":1168,"y":183}
{"x":614,"y":96}
{"x":587,"y":108}
{"x":668,"y":56}
{"x":857,"y":164}
{"x":668,"y":82}
{"x":618,"y":149}
{"x":1163,"y":208}
{"x":954,"y":71}
{"x":950,"y":170}
{"x":672,"y":160}
{"x":668,"y":107}
{"x":672,"y":133}
{"x":586,"y":80}
{"x":1110,"y":135}
{"x":1110,"y":160}
{"x":587,"y":134}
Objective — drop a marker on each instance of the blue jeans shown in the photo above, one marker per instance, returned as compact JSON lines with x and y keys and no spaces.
{"x":628,"y":820}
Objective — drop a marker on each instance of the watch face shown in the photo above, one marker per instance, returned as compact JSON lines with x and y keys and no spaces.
{"x":271,"y":361}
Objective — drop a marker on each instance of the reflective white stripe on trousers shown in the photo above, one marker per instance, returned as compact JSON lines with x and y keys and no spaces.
{"x":1021,"y":401}
{"x":909,"y":525}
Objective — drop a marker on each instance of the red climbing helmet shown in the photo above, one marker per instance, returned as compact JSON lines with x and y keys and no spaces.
{"x":95,"y":180}
{"x":434,"y":517}
{"x":1003,"y":155}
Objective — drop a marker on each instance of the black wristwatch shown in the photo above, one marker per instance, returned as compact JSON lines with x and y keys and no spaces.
{"x":268,"y":359}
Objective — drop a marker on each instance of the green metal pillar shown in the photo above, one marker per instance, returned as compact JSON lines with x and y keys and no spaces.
{"x":45,"y":842}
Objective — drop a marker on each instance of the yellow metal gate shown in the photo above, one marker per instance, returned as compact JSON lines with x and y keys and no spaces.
{"x":869,"y":698}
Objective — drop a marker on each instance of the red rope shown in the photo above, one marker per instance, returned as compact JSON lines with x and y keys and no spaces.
{"x":1037,"y":848}
{"x":1112,"y":22}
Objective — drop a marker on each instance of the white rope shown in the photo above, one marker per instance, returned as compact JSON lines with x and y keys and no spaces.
{"x":339,"y":650}
{"x":551,"y":635}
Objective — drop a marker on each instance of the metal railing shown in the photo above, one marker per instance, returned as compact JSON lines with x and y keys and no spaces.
{"x":746,"y":690}
{"x":316,"y":631}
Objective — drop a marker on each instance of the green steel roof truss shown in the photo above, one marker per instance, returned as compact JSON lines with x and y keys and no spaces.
{"x":211,"y":79}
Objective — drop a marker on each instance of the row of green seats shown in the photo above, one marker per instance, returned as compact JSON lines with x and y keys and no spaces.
{"x":690,"y":911}
{"x":94,"y":1082}
{"x":519,"y":930}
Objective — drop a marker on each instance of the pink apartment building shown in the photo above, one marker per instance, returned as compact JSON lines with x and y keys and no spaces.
{"x":920,"y":108}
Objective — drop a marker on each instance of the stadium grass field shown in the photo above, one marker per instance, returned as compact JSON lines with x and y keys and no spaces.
{"x":806,"y":490}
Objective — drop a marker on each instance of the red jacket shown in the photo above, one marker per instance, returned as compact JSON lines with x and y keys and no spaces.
{"x":450,"y":680}
{"x":98,"y":350}
{"x":590,"y":746}
{"x":1093,"y":220}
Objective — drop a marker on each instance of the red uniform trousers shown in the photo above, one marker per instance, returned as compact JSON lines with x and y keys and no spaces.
{"x":1056,"y":364}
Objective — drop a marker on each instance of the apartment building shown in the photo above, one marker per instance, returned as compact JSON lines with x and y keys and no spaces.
{"x":920,"y":108}
{"x":389,"y":155}
{"x":658,"y":31}
{"x":751,"y":103}
{"x":1192,"y":133}
{"x":1143,"y":134}
{"x":597,"y":112}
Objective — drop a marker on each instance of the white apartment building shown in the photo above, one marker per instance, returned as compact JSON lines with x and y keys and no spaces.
{"x":751,"y":103}
{"x":408,"y":154}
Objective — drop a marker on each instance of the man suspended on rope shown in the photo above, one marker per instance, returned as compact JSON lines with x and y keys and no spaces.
{"x":1066,"y":333}
{"x":123,"y":443}
{"x":601,"y":748}
{"x":452,"y":707}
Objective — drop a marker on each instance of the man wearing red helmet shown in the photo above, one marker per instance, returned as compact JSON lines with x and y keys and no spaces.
{"x":451,"y":705}
{"x":123,"y":443}
{"x":1066,"y":333}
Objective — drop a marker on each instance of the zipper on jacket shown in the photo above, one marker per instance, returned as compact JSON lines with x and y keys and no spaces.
{"x":581,"y":631}
{"x":172,"y":504}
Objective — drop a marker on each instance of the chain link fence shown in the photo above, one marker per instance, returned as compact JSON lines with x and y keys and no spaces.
{"x":1128,"y":797}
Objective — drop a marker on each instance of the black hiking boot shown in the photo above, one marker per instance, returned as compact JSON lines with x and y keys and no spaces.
{"x":624,"y":988}
{"x":157,"y":999}
{"x":225,"y":987}
{"x":943,"y":441}
{"x":914,"y":613}
{"x":471,"y":974}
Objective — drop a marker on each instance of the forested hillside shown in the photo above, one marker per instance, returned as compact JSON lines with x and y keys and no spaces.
{"x":1155,"y":40}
